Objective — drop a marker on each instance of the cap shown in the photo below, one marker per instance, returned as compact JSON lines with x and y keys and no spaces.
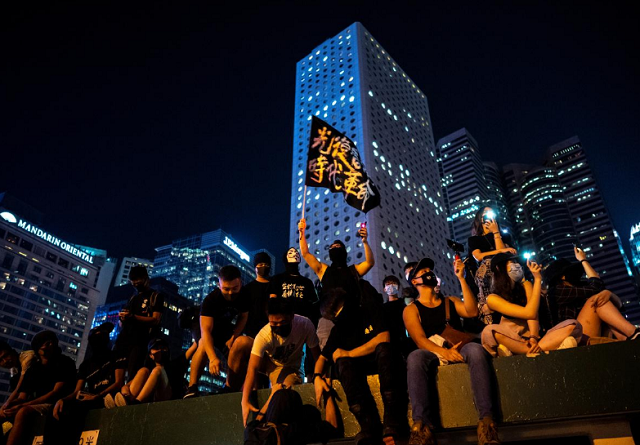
{"x":41,"y":338}
{"x":261,"y":257}
{"x":158,"y":343}
{"x":502,"y":258}
{"x":107,"y":327}
{"x":425,"y":262}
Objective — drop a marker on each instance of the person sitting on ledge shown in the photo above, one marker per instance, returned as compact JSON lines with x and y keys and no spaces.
{"x":18,"y":365}
{"x":278,"y":349}
{"x":437,"y":331}
{"x":588,"y":301}
{"x":518,"y":301}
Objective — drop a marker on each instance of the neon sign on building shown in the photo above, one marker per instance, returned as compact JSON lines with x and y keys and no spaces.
{"x":233,"y":246}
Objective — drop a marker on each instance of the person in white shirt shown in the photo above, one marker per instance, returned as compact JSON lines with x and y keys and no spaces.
{"x":278,"y":351}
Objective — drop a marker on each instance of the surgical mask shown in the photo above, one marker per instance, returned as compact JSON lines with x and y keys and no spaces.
{"x":264,"y":271}
{"x":282,"y":330}
{"x":391,"y":289}
{"x":515,"y":272}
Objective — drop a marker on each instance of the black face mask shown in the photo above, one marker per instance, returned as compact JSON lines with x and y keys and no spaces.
{"x":291,"y":268}
{"x":338,"y":256}
{"x":99,"y":342}
{"x":264,"y":271}
{"x":283,"y":330}
{"x":428,"y":279}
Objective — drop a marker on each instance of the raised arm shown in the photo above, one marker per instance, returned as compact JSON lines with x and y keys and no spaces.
{"x":469,"y":307}
{"x":317,"y":266}
{"x":369,"y":260}
{"x":528,"y":312}
{"x":582,"y":257}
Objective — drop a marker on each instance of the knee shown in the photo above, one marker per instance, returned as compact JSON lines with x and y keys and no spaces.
{"x":420,"y":358}
{"x":243,"y":344}
{"x":345,"y":366}
{"x":473,"y":352}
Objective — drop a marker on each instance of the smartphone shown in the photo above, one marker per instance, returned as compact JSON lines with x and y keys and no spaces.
{"x":488,"y":216}
{"x":82,"y":395}
{"x":363,"y":225}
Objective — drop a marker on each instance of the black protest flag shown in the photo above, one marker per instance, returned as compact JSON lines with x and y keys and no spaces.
{"x":334,"y":162}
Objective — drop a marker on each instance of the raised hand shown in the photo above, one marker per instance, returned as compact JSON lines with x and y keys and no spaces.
{"x":458,"y":268}
{"x":535,"y":269}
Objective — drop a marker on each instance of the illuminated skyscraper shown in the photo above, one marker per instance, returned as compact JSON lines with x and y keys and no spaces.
{"x":193,"y":262}
{"x":634,"y":241}
{"x":351,"y":82}
{"x":592,"y":224}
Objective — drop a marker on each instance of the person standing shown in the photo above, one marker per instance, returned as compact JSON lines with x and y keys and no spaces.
{"x":393,"y":310}
{"x":258,"y":292}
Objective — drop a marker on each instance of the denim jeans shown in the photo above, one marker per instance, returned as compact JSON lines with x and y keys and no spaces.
{"x":421,"y":370}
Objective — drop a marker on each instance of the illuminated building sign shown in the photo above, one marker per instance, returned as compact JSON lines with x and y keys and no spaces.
{"x":228,"y":242}
{"x":34,"y":230}
{"x":634,"y":229}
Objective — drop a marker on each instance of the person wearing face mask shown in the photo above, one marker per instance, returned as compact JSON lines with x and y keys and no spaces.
{"x":223,"y":318}
{"x":338,"y":275}
{"x":258,"y":292}
{"x":587,"y":300}
{"x":140,"y":320}
{"x":359,"y":345}
{"x":291,"y":285}
{"x":277,"y":351}
{"x":518,"y":301}
{"x":393,"y":310}
{"x":430,"y":322}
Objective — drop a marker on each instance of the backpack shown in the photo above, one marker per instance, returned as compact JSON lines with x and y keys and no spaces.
{"x":268,"y":433}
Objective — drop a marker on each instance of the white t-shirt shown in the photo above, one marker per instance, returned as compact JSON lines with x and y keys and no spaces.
{"x":286,"y":351}
{"x":27,"y":358}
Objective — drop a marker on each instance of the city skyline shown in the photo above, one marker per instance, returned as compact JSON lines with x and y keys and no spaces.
{"x":116,"y":114}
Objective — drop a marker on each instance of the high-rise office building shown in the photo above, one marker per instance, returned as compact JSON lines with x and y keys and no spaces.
{"x":463,"y":181}
{"x":592,"y":224}
{"x":351,"y":82}
{"x":498,"y":196}
{"x":45,"y":283}
{"x":634,"y":241}
{"x":122,"y":277}
{"x":193,"y":262}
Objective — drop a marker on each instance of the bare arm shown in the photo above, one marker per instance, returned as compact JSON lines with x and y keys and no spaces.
{"x":582,"y":257}
{"x":528,"y":312}
{"x":317,"y":266}
{"x":369,"y":260}
{"x":242,"y":322}
{"x":365,"y":349}
{"x":49,"y":397}
{"x":192,"y":350}
{"x":154,"y":320}
{"x":206,"y":330}
{"x":469,"y":308}
{"x":412,"y":323}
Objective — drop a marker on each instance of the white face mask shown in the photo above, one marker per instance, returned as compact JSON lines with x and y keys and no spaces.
{"x":293,"y":256}
{"x":515,"y":272}
{"x":391,"y":289}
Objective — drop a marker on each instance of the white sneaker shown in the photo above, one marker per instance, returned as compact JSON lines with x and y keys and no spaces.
{"x":120,"y":400}
{"x":503,"y":351}
{"x":567,"y":343}
{"x":109,"y":403}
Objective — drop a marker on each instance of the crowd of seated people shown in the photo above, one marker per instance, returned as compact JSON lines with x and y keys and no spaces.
{"x":278,"y":332}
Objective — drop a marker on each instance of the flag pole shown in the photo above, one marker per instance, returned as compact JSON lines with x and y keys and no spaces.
{"x":304,"y":200}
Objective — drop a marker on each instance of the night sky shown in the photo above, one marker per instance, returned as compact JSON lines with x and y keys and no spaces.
{"x":131,"y":124}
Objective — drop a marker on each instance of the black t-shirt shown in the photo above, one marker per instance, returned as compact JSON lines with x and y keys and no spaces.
{"x":392,"y":311}
{"x":355,"y":326}
{"x":176,"y":370}
{"x":98,"y":372}
{"x":487,"y":243}
{"x":434,"y":319}
{"x":300,"y":289}
{"x":259,"y":296}
{"x":41,"y":379}
{"x":225,"y":314}
{"x":144,"y":304}
{"x":340,"y":277}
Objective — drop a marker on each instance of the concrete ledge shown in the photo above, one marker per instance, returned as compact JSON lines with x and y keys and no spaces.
{"x":545,"y":393}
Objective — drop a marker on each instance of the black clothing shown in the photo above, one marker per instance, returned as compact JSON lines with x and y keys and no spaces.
{"x":487,"y":243}
{"x":302,"y":292}
{"x":259,"y":297}
{"x":143,"y":304}
{"x":434,"y":319}
{"x":567,"y":301}
{"x":393,"y":311}
{"x":41,"y":379}
{"x":98,"y":372}
{"x":176,"y":370}
{"x":354,"y":326}
{"x":340,"y":277}
{"x":225,"y":314}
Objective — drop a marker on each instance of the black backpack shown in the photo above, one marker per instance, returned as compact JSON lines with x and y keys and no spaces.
{"x":268,"y":433}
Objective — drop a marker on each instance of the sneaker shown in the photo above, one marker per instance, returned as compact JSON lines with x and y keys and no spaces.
{"x":421,"y":435}
{"x":120,"y":400}
{"x":487,"y":432}
{"x":635,"y":335}
{"x":109,"y":403}
{"x":567,"y":343}
{"x":192,"y":391}
{"x":503,"y":351}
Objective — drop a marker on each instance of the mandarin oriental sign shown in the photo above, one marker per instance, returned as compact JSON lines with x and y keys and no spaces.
{"x":34,"y":230}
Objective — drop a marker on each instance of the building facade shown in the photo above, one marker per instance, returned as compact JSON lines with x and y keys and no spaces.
{"x":591,"y":221}
{"x":46,"y":283}
{"x":122,"y":276}
{"x":193,"y":263}
{"x":353,"y":84}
